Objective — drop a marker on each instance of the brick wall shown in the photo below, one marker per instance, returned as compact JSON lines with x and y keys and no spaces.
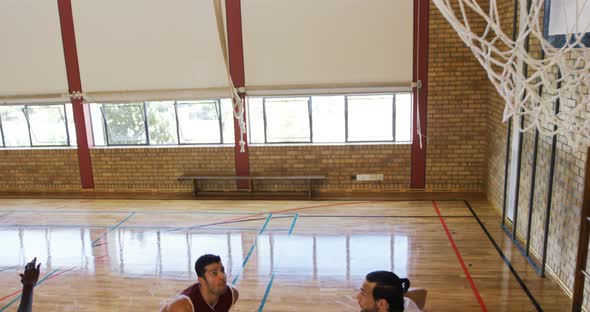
{"x":568,"y":184}
{"x":156,"y":168}
{"x":456,"y":115}
{"x":338,"y":163}
{"x":42,"y":170}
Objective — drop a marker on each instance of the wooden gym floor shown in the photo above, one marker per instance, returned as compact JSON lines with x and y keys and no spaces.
{"x":125,"y":255}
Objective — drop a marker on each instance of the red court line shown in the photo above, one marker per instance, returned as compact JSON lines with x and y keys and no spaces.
{"x":283,"y":210}
{"x":10,"y":295}
{"x":52,"y":276}
{"x":467,"y":274}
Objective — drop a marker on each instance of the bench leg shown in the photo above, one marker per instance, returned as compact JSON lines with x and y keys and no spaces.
{"x":195,"y":188}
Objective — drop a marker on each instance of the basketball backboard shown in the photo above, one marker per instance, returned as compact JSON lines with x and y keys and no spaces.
{"x":567,"y":16}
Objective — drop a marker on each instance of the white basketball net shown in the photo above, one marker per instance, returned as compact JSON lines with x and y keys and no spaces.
{"x":503,"y":59}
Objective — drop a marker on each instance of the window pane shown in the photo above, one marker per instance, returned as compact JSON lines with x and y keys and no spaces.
{"x":227,"y":119}
{"x":162,"y":122}
{"x":98,"y":131}
{"x":403,"y":117}
{"x":125,"y":123}
{"x":198,"y":122}
{"x":255,"y":120}
{"x":370,"y":118}
{"x":1,"y":135}
{"x":287,"y":120}
{"x":328,"y":118}
{"x":48,"y":125}
{"x":14,"y":125}
{"x":71,"y":125}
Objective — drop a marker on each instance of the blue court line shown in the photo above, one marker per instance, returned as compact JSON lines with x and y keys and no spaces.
{"x":235,"y":280}
{"x":8,"y":268}
{"x":293,"y":223}
{"x":114,"y":227}
{"x":268,"y":287}
{"x":38,"y":283}
{"x":265,"y":224}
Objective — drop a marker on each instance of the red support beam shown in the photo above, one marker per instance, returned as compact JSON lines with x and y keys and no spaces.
{"x":418,"y":162}
{"x":81,"y":111}
{"x":236,"y":68}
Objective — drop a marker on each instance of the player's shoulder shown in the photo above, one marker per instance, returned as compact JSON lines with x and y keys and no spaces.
{"x":179,"y":304}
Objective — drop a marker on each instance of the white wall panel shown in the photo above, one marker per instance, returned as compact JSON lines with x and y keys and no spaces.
{"x":31,"y":51}
{"x":148,"y":45}
{"x":327,"y":43}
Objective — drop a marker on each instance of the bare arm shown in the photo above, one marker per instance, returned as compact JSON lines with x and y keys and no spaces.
{"x":29,"y":279}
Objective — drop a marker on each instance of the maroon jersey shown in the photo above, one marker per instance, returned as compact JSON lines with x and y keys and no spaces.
{"x":199,"y":305}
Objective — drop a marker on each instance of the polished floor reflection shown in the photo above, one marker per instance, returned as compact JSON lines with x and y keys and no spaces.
{"x":125,"y":255}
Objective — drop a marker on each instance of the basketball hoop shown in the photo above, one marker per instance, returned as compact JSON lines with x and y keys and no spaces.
{"x":529,"y":82}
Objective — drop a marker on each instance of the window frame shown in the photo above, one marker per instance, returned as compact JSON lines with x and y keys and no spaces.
{"x":265,"y":118}
{"x":24,"y":110}
{"x":347,"y":140}
{"x":346,"y":123}
{"x":219,"y":122}
{"x":106,"y":126}
{"x":65,"y":117}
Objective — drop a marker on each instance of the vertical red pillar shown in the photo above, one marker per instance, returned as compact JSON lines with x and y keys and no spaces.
{"x":418,"y":162}
{"x":81,"y":111}
{"x":236,"y":68}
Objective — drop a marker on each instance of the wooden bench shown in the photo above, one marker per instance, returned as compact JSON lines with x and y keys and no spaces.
{"x":196,"y":178}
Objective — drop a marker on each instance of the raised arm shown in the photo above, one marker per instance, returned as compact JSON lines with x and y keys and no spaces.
{"x":29,"y":279}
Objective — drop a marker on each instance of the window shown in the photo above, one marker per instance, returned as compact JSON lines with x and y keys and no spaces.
{"x":71,"y":124}
{"x":48,"y":125}
{"x":287,"y":120}
{"x":403,"y":117}
{"x":162,"y":123}
{"x":370,"y":118}
{"x":227,"y":121}
{"x":14,"y":126}
{"x":125,"y":124}
{"x":330,"y":119}
{"x":255,"y":120}
{"x":199,"y":122}
{"x":36,"y":125}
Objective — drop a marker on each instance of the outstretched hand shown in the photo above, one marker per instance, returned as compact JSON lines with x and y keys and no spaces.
{"x":31,"y":274}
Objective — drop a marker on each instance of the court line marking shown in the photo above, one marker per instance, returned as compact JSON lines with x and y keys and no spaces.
{"x":236,"y":278}
{"x":460,"y":258}
{"x":266,"y":293}
{"x":265,"y":224}
{"x":78,"y":211}
{"x":293,"y":224}
{"x":36,"y":285}
{"x":8,"y":268}
{"x":269,"y":285}
{"x":111,"y":229}
{"x":276,"y":212}
{"x":58,"y":226}
{"x":505,"y":259}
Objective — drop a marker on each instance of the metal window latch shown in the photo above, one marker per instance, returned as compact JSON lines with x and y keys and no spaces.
{"x":417,"y":84}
